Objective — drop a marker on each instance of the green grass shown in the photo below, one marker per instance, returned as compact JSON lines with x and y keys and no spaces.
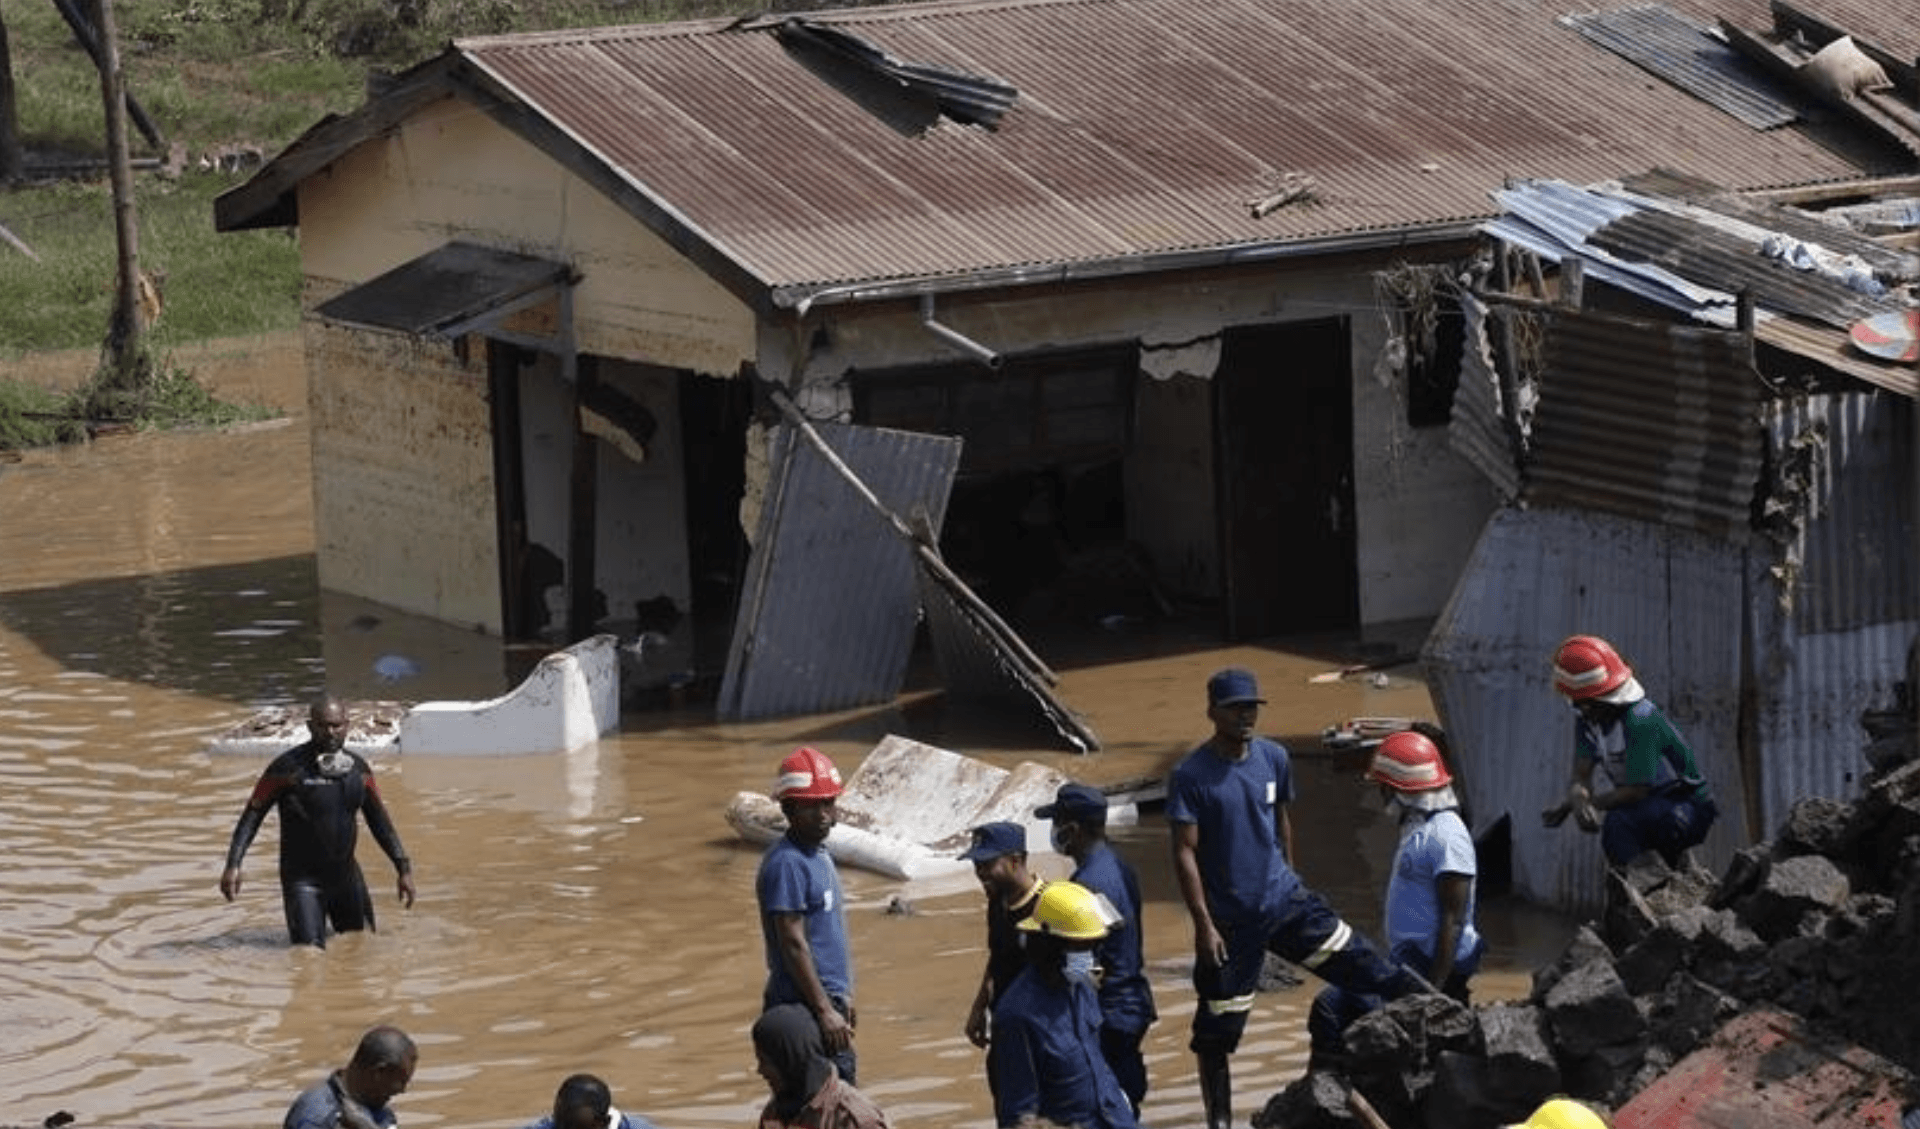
{"x":211,"y":285}
{"x":214,"y":76}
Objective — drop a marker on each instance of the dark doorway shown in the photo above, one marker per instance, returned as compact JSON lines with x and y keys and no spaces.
{"x":1283,"y":469}
{"x":713,"y":422}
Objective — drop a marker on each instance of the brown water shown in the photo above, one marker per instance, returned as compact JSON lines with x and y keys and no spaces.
{"x":588,"y":912}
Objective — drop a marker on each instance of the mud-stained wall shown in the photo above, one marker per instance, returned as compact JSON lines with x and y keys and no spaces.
{"x":403,"y":473}
{"x":450,"y":172}
{"x":1420,"y":507}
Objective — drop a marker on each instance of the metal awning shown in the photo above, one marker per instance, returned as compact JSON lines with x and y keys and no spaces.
{"x":452,"y":290}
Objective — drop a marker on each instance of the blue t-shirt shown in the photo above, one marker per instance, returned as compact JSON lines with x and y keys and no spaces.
{"x":1126,"y":1000}
{"x":1233,"y":804}
{"x":319,"y":1108}
{"x":1047,"y":1059}
{"x":796,"y":879}
{"x":1430,"y":845}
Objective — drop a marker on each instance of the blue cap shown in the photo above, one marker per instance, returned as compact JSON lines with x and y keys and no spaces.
{"x":1233,"y":686}
{"x":992,"y":840}
{"x":1081,"y":803}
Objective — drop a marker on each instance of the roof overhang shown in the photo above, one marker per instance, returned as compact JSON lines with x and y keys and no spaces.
{"x":453,"y":290}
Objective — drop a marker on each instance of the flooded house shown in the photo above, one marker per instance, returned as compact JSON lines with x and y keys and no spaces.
{"x":1153,"y":264}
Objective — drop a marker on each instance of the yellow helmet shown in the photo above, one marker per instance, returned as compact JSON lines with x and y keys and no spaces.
{"x":1071,"y":912}
{"x":1563,"y":1113}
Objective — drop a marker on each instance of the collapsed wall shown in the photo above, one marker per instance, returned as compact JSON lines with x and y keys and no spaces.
{"x":1824,"y":922}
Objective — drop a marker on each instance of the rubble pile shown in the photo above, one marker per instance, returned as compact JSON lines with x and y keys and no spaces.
{"x":1824,"y":922}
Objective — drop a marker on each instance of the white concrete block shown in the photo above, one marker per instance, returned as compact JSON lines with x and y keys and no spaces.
{"x":571,"y":698}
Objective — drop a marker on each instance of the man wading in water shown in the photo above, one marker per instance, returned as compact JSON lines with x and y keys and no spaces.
{"x":320,"y":790}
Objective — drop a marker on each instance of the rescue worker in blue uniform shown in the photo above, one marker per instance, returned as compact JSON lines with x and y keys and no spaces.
{"x":1047,"y":1061}
{"x":321,"y":791}
{"x":1232,"y":845}
{"x":1079,"y":815}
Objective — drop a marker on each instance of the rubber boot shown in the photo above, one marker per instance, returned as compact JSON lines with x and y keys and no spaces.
{"x":1216,"y":1091}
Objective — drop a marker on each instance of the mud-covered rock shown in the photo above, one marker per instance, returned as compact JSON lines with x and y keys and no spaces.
{"x":1585,"y":947}
{"x":1648,"y":964}
{"x":1686,"y":1011}
{"x":1465,"y":1095}
{"x":1817,"y":825}
{"x":1519,"y":1057}
{"x":1606,"y":1073}
{"x":1590,"y":1008}
{"x":1317,"y":1100}
{"x":1794,"y":890}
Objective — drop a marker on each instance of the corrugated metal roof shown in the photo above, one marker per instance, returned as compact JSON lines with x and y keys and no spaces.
{"x":1648,"y":420}
{"x":1555,"y":220}
{"x":1141,"y":128}
{"x":1660,"y":595}
{"x":830,"y":602}
{"x":1718,"y":258}
{"x":1840,"y":644}
{"x":1681,"y":52}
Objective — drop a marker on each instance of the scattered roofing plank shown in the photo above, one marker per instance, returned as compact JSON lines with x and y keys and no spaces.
{"x":1658,"y":40}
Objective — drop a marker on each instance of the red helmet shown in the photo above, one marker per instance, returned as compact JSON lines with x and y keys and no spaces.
{"x":807,"y":774}
{"x":1408,"y":762}
{"x":1587,"y":666}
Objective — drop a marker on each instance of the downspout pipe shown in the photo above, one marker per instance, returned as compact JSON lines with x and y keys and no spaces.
{"x":956,"y":338}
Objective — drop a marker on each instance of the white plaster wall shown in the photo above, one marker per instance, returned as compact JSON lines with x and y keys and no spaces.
{"x":642,"y":524}
{"x":449,"y":172}
{"x":1420,"y":507}
{"x":403,"y":474}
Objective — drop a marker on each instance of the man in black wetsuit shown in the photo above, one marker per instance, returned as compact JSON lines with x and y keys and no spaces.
{"x":321,"y":790}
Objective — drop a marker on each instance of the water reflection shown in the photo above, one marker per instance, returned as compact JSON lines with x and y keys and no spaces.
{"x":587,"y":912}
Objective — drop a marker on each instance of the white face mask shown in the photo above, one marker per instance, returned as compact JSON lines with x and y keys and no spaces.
{"x":1081,"y":966}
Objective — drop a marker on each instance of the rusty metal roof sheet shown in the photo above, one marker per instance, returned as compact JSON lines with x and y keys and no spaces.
{"x":1141,"y":132}
{"x":1657,"y":38}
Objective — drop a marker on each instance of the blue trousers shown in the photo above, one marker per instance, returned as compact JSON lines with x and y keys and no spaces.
{"x":1657,"y":823}
{"x":1307,"y":932}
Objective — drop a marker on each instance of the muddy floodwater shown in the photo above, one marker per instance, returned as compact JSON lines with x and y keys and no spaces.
{"x":583,"y":912}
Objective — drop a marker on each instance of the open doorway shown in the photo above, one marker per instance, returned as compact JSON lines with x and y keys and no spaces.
{"x":1283,"y":415}
{"x":1036,"y":523}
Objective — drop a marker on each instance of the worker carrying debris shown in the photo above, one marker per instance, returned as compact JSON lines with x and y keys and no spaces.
{"x":1659,"y":800}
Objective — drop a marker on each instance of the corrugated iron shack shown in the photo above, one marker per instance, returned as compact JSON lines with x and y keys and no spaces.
{"x":1735,"y":509}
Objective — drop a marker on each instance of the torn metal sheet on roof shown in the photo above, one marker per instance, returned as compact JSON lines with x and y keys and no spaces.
{"x":1672,"y":258}
{"x":1709,"y":256}
{"x":973,"y":99}
{"x":448,"y":290}
{"x":1659,"y":40}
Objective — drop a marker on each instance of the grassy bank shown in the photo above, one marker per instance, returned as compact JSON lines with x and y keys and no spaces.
{"x":215,"y":77}
{"x":210,"y":285}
